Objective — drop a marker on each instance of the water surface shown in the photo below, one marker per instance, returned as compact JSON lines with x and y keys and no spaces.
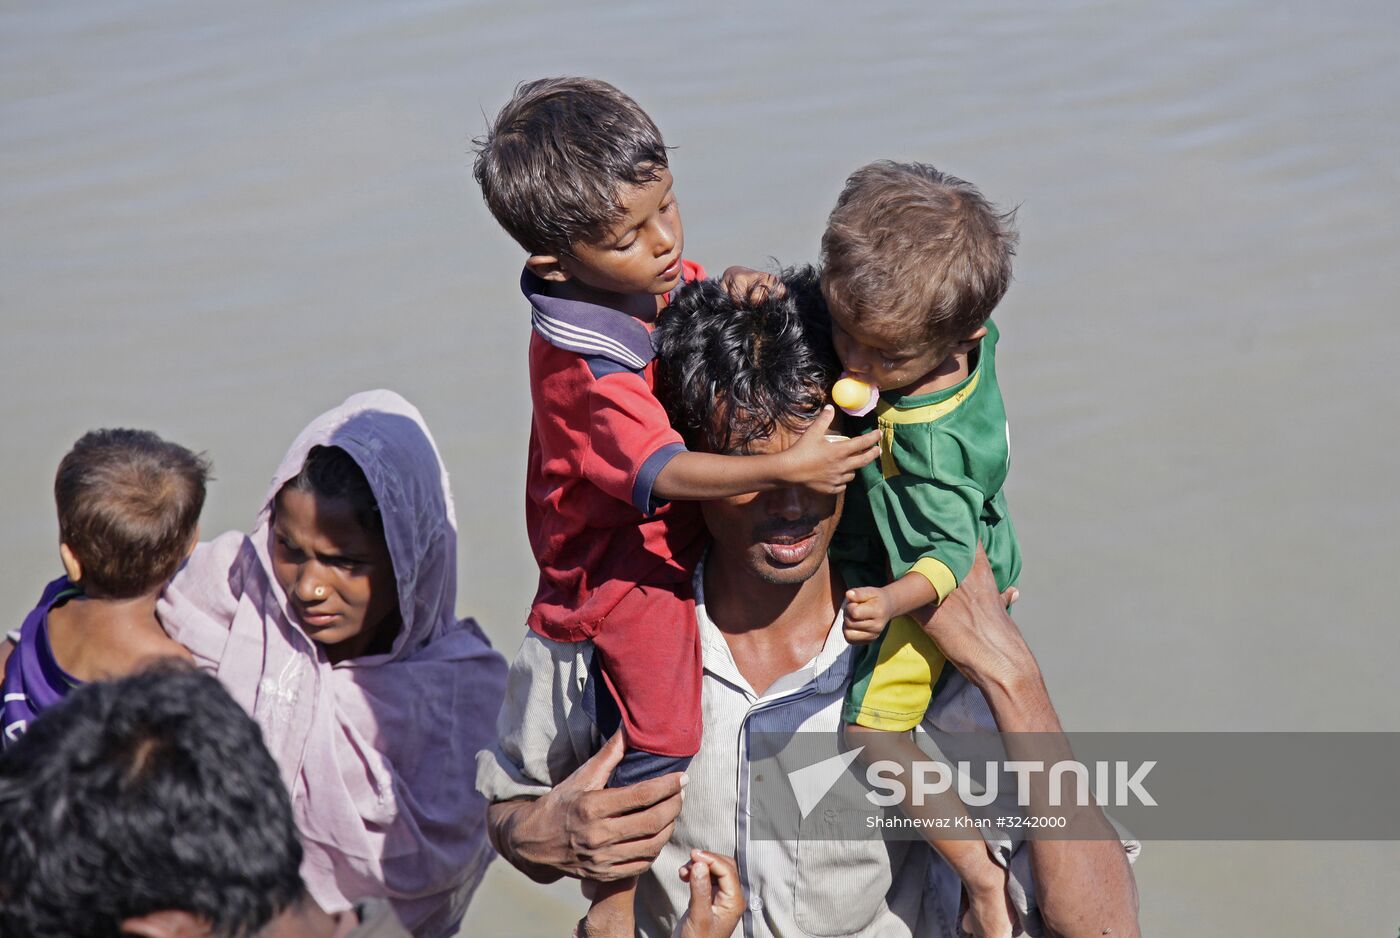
{"x":217,"y":220}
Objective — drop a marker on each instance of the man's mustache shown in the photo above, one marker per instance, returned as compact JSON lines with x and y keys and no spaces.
{"x":795,"y":528}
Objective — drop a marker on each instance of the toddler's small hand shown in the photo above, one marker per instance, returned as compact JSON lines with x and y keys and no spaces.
{"x":867,"y":613}
{"x":715,"y":907}
{"x":745,"y":283}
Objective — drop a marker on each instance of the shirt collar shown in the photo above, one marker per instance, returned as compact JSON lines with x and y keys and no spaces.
{"x":830,"y":669}
{"x":587,"y":328}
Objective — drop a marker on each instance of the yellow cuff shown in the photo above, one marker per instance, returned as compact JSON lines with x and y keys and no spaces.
{"x":938,"y":575}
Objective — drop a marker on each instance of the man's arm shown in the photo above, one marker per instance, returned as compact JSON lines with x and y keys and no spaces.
{"x":581,"y":829}
{"x":1083,"y":887}
{"x":550,"y":814}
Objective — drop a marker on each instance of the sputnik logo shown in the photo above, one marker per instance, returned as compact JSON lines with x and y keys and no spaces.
{"x":811,"y":783}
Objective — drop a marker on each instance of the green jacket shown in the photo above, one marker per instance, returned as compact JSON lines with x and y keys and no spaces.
{"x":935,"y":491}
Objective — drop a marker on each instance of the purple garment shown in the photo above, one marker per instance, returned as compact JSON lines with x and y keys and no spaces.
{"x":379,"y":751}
{"x":34,"y":681}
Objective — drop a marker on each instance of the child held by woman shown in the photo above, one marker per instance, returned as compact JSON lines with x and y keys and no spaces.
{"x":128,"y":516}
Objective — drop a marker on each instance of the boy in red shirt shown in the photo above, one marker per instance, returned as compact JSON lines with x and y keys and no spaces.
{"x":578,"y":174}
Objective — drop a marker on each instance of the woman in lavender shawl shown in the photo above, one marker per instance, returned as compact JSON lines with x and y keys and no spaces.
{"x":333,"y":624}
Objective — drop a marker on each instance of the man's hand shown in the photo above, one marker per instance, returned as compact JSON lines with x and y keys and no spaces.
{"x":584,"y":830}
{"x":827,"y":465}
{"x":868,"y":610}
{"x":990,"y":913}
{"x":715,"y":907}
{"x":1083,"y":886}
{"x":745,"y":284}
{"x":974,"y":632}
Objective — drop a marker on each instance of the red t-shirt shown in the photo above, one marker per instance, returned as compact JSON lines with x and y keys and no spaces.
{"x":598,"y":440}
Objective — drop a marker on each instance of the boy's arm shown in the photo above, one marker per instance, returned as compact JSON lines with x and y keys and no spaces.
{"x":869,"y":608}
{"x":930,"y":527}
{"x":716,"y":896}
{"x":635,"y":455}
{"x":824,"y":465}
{"x":928,"y":522}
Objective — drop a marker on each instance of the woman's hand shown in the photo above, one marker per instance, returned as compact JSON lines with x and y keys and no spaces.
{"x":716,"y":898}
{"x":582,"y":829}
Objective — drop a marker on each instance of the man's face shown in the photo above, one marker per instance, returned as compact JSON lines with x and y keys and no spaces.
{"x":780,"y":536}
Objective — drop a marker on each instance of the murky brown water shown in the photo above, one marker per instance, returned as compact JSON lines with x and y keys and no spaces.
{"x":218,"y":219}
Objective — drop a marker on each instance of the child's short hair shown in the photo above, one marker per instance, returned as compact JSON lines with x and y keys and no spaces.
{"x":128,"y":509}
{"x":910,"y":244}
{"x":551,"y":164}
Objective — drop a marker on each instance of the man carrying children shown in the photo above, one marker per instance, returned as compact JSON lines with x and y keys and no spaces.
{"x":750,"y":377}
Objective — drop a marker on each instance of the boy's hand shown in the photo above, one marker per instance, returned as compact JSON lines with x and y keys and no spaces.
{"x":867,"y":613}
{"x":715,"y":907}
{"x":827,"y":465}
{"x":745,"y":282}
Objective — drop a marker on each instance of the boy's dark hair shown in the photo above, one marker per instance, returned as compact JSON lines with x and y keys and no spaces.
{"x":331,"y":472}
{"x":128,"y":509}
{"x":151,"y":793}
{"x":730,"y":372}
{"x":909,"y":244}
{"x":552,"y":162}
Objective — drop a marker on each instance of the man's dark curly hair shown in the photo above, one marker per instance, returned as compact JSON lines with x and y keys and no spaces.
{"x":154,"y":792}
{"x":731,"y":372}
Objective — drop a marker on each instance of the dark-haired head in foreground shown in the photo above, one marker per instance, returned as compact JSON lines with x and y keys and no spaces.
{"x":748,"y":377}
{"x":138,"y":797}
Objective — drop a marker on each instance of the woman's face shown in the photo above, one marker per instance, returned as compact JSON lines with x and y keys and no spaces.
{"x":338,"y":576}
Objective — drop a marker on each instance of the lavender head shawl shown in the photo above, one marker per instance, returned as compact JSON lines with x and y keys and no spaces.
{"x":379,"y":751}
